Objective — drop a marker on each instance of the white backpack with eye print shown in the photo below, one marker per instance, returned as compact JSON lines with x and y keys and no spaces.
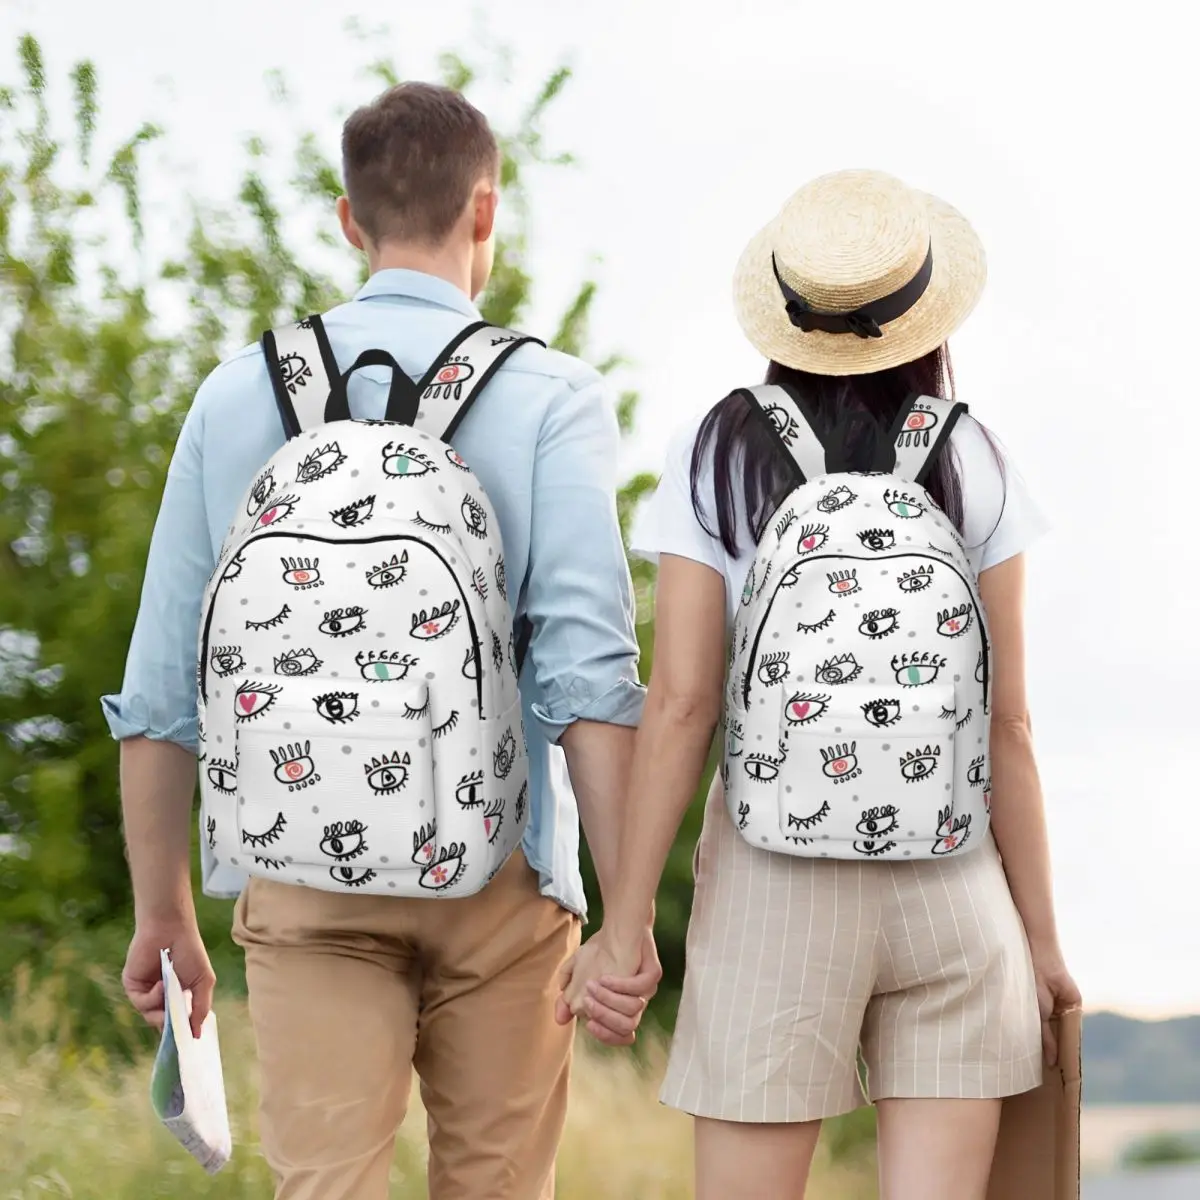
{"x":856,"y":713}
{"x":360,"y":724}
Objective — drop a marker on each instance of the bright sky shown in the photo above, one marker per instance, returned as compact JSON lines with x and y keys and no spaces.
{"x":1065,"y":136}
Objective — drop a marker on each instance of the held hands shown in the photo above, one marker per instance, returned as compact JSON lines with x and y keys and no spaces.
{"x":609,"y":986}
{"x":142,"y":977}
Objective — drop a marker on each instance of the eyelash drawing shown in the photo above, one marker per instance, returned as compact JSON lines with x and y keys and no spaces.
{"x":234,"y":569}
{"x":960,"y":725}
{"x":276,"y":864}
{"x":474,"y":517}
{"x":260,"y":493}
{"x":293,"y":663}
{"x":428,"y":625}
{"x":314,"y":467}
{"x":762,"y":768}
{"x":877,"y":539}
{"x":766,"y":575}
{"x":823,"y":623}
{"x":939,"y":550}
{"x":266,"y":838}
{"x":843,"y":583}
{"x":795,"y":822}
{"x":271,"y":622}
{"x":354,"y":514}
{"x":432,"y":526}
{"x":878,"y":822}
{"x":448,"y":725}
{"x":812,"y":537}
{"x":468,"y":791}
{"x":872,"y":849}
{"x":415,"y":714}
{"x":246,"y":700}
{"x":497,"y":652}
{"x":954,"y":622}
{"x":479,"y":583}
{"x":902,"y":505}
{"x":773,"y":668}
{"x":346,"y":875}
{"x":844,"y":668}
{"x":879,"y":623}
{"x":342,"y":622}
{"x":837,"y":499}
{"x":784,"y":524}
{"x":916,"y":580}
{"x":501,"y":579}
{"x":948,"y":714}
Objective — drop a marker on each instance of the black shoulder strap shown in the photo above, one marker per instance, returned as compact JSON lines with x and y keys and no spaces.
{"x":303,"y":372}
{"x":460,"y":373}
{"x":922,"y":427}
{"x":793,"y":427}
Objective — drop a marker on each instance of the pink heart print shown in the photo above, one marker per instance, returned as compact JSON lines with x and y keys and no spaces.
{"x":809,"y":543}
{"x":800,"y":711}
{"x":248,"y":700}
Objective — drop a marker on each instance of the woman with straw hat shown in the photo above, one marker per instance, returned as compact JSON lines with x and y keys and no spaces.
{"x":938,"y":972}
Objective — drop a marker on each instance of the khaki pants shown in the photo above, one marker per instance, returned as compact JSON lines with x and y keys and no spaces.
{"x":349,"y":993}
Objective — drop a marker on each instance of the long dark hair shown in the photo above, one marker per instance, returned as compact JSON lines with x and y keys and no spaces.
{"x":854,"y":412}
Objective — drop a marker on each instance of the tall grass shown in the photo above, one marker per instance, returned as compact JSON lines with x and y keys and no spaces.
{"x":75,"y":1122}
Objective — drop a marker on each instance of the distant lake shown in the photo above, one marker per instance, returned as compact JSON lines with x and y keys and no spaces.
{"x":1107,"y":1130}
{"x":1160,"y":1183}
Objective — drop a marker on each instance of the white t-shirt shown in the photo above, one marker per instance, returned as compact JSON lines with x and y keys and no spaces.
{"x":1000,"y":518}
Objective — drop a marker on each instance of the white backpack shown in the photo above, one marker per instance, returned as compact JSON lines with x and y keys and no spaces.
{"x":856,"y":715}
{"x":360,"y":724}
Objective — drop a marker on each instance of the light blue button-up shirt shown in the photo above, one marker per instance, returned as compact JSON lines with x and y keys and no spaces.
{"x":542,"y":439}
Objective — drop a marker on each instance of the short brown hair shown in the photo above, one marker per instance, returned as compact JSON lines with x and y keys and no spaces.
{"x":410,"y":159}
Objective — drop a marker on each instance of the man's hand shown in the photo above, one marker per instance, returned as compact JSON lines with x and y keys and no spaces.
{"x":610,"y":990}
{"x":142,"y":977}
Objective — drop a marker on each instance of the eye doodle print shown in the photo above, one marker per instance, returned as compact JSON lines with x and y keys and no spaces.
{"x":762,"y":768}
{"x":271,"y":622}
{"x":275,"y":864}
{"x":883,"y":714}
{"x":844,"y":668}
{"x":954,"y":622}
{"x":497,"y":652}
{"x":384,"y":666}
{"x":879,"y":822}
{"x":446,"y":869}
{"x":479,"y":583}
{"x":474,"y":517}
{"x":226,"y":660}
{"x":795,"y":822}
{"x":917,"y":765}
{"x":918,"y":425}
{"x":210,"y":827}
{"x":872,"y":848}
{"x":512,"y":656}
{"x":435,"y":622}
{"x":234,"y":569}
{"x":522,"y":801}
{"x":798,"y":841}
{"x":294,"y":371}
{"x":449,"y":380}
{"x":791,"y":576}
{"x":470,"y":667}
{"x":773,"y":668}
{"x":840,"y":763}
{"x":877,"y":540}
{"x":748,"y":587}
{"x":940,"y":550}
{"x":302,"y":573}
{"x":320,"y":463}
{"x":455,"y":460}
{"x":979,"y":668}
{"x":278,"y":509}
{"x":817,"y":626}
{"x":447,"y":726}
{"x":811,"y":538}
{"x":493,"y":818}
{"x":766,"y":575}
{"x":784,"y":524}
{"x":835,"y":500}
{"x":975,"y":770}
{"x":297,"y":663}
{"x":901,"y":504}
{"x":416,"y":714}
{"x":294,"y":766}
{"x":917,"y":669}
{"x":805,"y":707}
{"x":959,"y":726}
{"x":424,"y":841}
{"x":338,"y":708}
{"x":501,"y":578}
{"x":432,"y":526}
{"x":354,"y":514}
{"x":389,"y":573}
{"x":344,"y":840}
{"x":222,"y":774}
{"x":400,"y":461}
{"x":387,"y":773}
{"x":469,"y":792}
{"x":843,"y":583}
{"x":505,"y":755}
{"x":251,"y":700}
{"x":342,"y":622}
{"x":261,"y":492}
{"x":783,"y":421}
{"x":743,"y":814}
{"x":952,"y":831}
{"x":879,"y":623}
{"x":733,"y":739}
{"x":916,"y":580}
{"x":268,"y":836}
{"x":351,"y":876}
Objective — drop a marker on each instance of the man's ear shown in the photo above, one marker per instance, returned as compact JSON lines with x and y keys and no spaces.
{"x":487,"y":197}
{"x":350,"y":229}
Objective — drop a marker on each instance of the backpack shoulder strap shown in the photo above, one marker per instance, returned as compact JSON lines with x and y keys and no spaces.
{"x":460,"y":373}
{"x":792,"y":426}
{"x":922,"y":427}
{"x":303,"y":372}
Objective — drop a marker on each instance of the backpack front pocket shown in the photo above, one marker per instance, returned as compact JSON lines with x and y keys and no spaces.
{"x":862,"y":765}
{"x":333,"y":777}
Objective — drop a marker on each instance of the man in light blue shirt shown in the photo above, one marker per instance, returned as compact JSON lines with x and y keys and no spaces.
{"x":347,"y":991}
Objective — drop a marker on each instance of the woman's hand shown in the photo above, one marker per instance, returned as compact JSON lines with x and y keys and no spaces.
{"x":1056,"y":993}
{"x":609,"y":986}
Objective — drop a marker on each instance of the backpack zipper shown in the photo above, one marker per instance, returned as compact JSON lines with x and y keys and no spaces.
{"x":307,"y":537}
{"x":971,"y":591}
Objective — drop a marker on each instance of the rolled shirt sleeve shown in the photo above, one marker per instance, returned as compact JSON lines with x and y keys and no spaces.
{"x":578,"y":594}
{"x":158,"y":695}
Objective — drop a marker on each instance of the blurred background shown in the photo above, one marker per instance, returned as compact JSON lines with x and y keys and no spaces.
{"x":167,"y":175}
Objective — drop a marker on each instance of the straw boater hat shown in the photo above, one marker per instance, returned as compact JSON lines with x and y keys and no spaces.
{"x":858,"y":272}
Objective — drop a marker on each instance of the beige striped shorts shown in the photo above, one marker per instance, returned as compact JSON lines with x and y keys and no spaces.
{"x":797,"y":966}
